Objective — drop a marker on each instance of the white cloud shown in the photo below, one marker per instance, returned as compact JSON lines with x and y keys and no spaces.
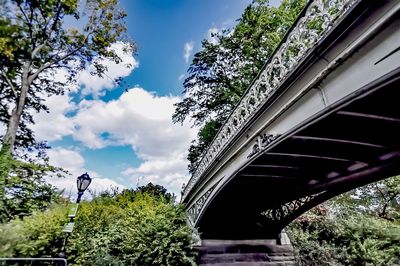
{"x":97,"y":86}
{"x":187,"y":51}
{"x":169,"y":172}
{"x":69,"y":159}
{"x":73,"y":162}
{"x":181,"y":77}
{"x":55,"y":124}
{"x":138,"y":118}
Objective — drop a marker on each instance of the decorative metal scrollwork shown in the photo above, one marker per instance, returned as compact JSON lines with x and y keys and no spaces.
{"x":262,"y":142}
{"x":194,"y":211}
{"x":278,"y":214}
{"x":314,"y":24}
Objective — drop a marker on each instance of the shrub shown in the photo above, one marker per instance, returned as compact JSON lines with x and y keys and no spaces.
{"x":109,"y":230}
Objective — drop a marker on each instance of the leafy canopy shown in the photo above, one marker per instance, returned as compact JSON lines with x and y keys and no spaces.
{"x":40,"y":56}
{"x":36,"y":43}
{"x":226,"y":65}
{"x":361,"y":227}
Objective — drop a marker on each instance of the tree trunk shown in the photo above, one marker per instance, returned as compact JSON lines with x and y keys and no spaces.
{"x":13,"y":123}
{"x":12,"y":127}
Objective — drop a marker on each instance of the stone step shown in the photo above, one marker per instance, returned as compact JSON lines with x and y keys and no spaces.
{"x":218,"y":242}
{"x":230,"y":258}
{"x":263,"y":263}
{"x":277,"y":250}
{"x":243,"y":246}
{"x":243,"y":257}
{"x":245,"y":253}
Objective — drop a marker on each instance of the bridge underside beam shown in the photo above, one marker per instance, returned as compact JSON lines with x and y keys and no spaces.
{"x":355,"y":143}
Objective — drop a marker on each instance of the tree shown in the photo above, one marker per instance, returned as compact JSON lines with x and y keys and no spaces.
{"x":157,"y":191}
{"x":35,"y":43}
{"x":361,"y":227}
{"x":26,"y":191}
{"x":379,"y":199}
{"x":225,"y":67}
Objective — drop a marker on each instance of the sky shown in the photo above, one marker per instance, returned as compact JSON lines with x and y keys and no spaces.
{"x":123,"y":136}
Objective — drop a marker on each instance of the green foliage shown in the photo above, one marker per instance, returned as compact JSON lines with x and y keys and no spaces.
{"x":204,"y":137}
{"x":131,"y":228}
{"x":23,"y":187}
{"x":34,"y":236}
{"x":350,"y":229}
{"x":381,"y":199}
{"x":35,"y":43}
{"x":222,"y":71}
{"x":155,"y":190}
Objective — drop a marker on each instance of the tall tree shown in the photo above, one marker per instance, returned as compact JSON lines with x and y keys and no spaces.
{"x":226,"y":65}
{"x":360,"y":227}
{"x":35,"y":42}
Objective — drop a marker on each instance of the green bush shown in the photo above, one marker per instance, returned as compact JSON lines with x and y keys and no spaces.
{"x":23,"y":188}
{"x":345,"y":238}
{"x":38,"y":235}
{"x":130,"y":228}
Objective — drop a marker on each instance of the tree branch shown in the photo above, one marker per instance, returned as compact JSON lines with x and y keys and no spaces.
{"x":51,"y":63}
{"x":10,"y":84}
{"x":37,"y":49}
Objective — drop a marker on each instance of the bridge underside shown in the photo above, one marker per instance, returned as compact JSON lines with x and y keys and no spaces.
{"x":353,"y":143}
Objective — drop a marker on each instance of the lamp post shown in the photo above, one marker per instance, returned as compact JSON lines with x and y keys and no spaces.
{"x":82,"y":183}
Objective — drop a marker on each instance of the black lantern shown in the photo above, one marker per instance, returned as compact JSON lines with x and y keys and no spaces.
{"x":82,"y":183}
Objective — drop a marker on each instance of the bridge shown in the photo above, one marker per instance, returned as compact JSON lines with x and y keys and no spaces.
{"x":321,"y":118}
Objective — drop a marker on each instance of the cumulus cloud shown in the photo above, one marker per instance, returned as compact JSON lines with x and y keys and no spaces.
{"x":55,"y":124}
{"x":97,"y":86}
{"x":187,"y":51}
{"x":74,"y":163}
{"x":142,"y":120}
{"x":170,"y":172}
{"x":138,"y":118}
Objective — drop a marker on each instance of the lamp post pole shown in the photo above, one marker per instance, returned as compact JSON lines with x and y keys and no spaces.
{"x":82,"y":182}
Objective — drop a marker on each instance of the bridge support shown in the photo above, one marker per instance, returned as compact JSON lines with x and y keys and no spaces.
{"x":260,"y":252}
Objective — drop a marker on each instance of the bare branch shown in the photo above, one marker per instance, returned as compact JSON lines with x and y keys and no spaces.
{"x":380,"y":192}
{"x":51,"y":63}
{"x":37,"y":49}
{"x":25,"y":16}
{"x":10,"y":84}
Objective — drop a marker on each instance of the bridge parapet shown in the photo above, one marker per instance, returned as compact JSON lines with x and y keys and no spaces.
{"x":312,"y":25}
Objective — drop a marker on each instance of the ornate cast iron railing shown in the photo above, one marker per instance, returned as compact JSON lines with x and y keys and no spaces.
{"x":312,"y":25}
{"x":281,"y":212}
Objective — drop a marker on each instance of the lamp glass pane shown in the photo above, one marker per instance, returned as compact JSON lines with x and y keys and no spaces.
{"x":79,"y":184}
{"x":85,"y":184}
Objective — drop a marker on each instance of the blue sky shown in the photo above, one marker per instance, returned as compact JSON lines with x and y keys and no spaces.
{"x":126,"y":138}
{"x":162,"y":27}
